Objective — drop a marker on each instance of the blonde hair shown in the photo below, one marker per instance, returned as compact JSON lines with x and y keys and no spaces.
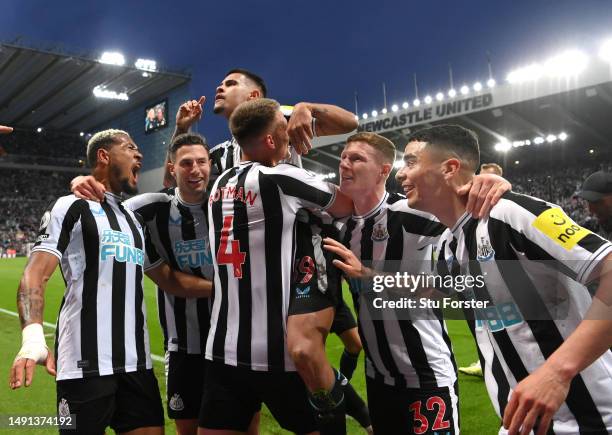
{"x":102,"y":139}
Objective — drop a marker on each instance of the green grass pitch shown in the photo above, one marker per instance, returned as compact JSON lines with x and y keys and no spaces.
{"x":477,"y":416}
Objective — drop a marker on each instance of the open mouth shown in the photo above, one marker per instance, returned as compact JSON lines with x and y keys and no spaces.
{"x":407,"y":189}
{"x":219,"y":97}
{"x":195,"y":181}
{"x":135,"y":171}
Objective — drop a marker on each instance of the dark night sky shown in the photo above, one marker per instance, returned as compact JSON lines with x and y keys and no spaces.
{"x":319,"y":50}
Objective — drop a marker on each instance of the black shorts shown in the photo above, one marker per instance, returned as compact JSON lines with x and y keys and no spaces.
{"x":232,"y":395}
{"x":422,"y":411}
{"x":316,"y":283}
{"x":123,"y":401}
{"x":185,"y":375}
{"x":343,"y":319}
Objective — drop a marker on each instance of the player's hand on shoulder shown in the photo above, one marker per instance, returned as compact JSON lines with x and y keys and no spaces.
{"x":87,"y":187}
{"x":299,"y":128}
{"x":483,"y":192}
{"x":188,"y":113}
{"x":5,"y":130}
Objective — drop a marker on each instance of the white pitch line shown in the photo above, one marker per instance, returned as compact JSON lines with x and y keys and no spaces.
{"x":52,"y":326}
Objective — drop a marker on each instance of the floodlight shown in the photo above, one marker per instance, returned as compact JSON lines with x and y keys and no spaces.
{"x":394,"y":108}
{"x":477,"y":86}
{"x":562,"y":136}
{"x":439,"y":96}
{"x":428,"y":99}
{"x":605,"y":51}
{"x":146,"y":64}
{"x":374,"y":113}
{"x":568,"y":63}
{"x":452,"y":93}
{"x":112,"y":58}
{"x":364,"y":116}
{"x":384,"y":111}
{"x":464,"y":90}
{"x":491,"y":83}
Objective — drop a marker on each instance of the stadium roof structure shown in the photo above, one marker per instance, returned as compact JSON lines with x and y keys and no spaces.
{"x":55,"y":91}
{"x":567,"y":116}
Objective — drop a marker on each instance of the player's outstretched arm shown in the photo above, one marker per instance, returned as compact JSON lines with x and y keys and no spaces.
{"x":30,"y":304}
{"x":540,"y":395}
{"x":342,"y":205}
{"x":87,"y":187}
{"x":5,"y":130}
{"x":179,"y":283}
{"x":483,"y":192}
{"x":328,"y":120}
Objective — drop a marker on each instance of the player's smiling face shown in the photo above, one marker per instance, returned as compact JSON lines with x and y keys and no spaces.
{"x":125,"y":162}
{"x":360,"y":169}
{"x":235,"y":89}
{"x":421,"y":176}
{"x":191,"y":169}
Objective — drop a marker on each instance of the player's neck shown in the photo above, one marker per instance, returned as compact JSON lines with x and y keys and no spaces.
{"x":190,"y":197}
{"x":103,"y":177}
{"x":450,"y":208}
{"x":363,"y":204}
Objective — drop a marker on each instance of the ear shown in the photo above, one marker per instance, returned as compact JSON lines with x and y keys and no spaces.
{"x":255,"y":93}
{"x":171,"y":169}
{"x":386,"y":170}
{"x":103,"y":156}
{"x":269,"y":141}
{"x":451,"y":167}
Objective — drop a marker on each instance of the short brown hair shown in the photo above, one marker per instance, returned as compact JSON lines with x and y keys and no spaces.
{"x":494,"y":167}
{"x":102,"y":139}
{"x":185,"y":139}
{"x":252,"y":118}
{"x":380,"y":143}
{"x":451,"y":139}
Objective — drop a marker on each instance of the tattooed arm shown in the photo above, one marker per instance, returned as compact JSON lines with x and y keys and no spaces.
{"x":30,"y":303}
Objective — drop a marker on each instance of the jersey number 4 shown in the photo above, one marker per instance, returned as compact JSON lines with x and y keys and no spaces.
{"x":230,"y":253}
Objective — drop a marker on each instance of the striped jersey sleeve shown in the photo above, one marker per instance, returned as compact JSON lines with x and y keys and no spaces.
{"x":301,"y":187}
{"x":56,"y":226}
{"x":543,"y":231}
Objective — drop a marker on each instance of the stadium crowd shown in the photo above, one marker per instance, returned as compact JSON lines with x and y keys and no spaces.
{"x":44,"y":148}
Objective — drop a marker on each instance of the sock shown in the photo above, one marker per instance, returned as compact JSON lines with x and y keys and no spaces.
{"x":356,"y":407}
{"x":348,"y":363}
{"x":329,"y":407}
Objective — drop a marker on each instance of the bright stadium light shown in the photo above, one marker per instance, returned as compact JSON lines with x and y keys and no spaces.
{"x":81,"y":134}
{"x":491,"y":82}
{"x":538,"y":140}
{"x":384,"y":111}
{"x":591,"y":151}
{"x":568,"y":63}
{"x":428,"y":99}
{"x":562,"y":136}
{"x":516,"y":162}
{"x":112,"y":58}
{"x":477,"y":86}
{"x":605,"y":51}
{"x":416,"y":102}
{"x":146,"y":64}
{"x":452,"y":93}
{"x":39,"y":130}
{"x":503,"y":147}
{"x":102,"y":92}
{"x":405,"y":105}
{"x":551,"y":138}
{"x":364,"y":116}
{"x":374,"y":113}
{"x":528,"y":73}
{"x":464,"y":90}
{"x":439,"y":96}
{"x":394,"y":108}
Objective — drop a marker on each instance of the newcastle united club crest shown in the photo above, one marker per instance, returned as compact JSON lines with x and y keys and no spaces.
{"x":484,"y":250}
{"x":380,"y":233}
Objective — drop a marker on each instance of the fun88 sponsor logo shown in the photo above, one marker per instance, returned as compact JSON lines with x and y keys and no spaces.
{"x":117,"y":245}
{"x":192,"y":253}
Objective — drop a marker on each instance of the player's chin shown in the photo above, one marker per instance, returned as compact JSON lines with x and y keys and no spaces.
{"x":129,"y":185}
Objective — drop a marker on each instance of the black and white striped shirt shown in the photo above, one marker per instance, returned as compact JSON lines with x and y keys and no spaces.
{"x":407,"y":353}
{"x":252,"y":211}
{"x":178,"y":235}
{"x":101,"y":327}
{"x":534,"y":261}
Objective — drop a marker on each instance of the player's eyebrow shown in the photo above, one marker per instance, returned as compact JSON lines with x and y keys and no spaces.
{"x":408,"y":157}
